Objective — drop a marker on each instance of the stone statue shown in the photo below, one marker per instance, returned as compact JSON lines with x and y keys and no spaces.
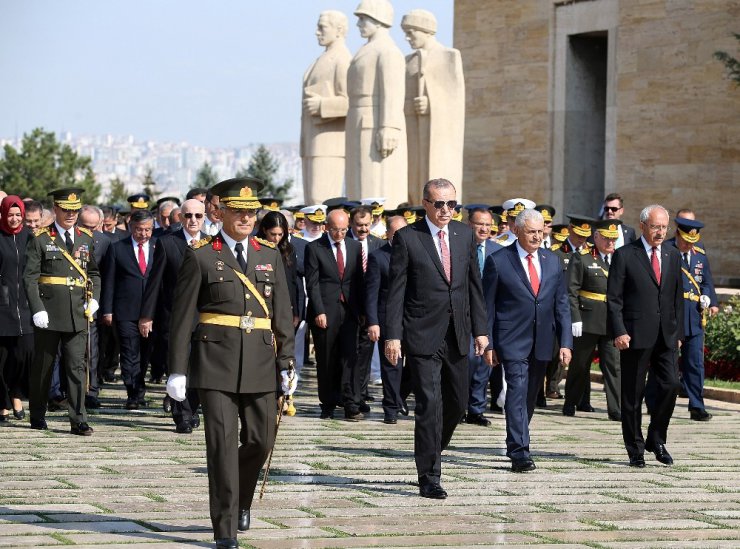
{"x":376,"y":129}
{"x":434,"y":106}
{"x":324,"y":110}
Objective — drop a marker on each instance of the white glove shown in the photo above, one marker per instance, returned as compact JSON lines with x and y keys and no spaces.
{"x":289,"y":383}
{"x":176,"y":387}
{"x":577,"y":329}
{"x":704,"y":301}
{"x":41,"y":319}
{"x":92,"y":306}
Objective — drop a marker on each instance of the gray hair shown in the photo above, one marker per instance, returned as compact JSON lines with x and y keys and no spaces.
{"x":166,"y":204}
{"x":338,"y":19}
{"x":437,"y":184}
{"x":645,"y":213}
{"x":528,"y":214}
{"x":90,"y":208}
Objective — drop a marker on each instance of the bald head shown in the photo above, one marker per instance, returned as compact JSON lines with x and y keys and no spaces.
{"x":337,"y":223}
{"x":193,"y":216}
{"x":393,"y":224}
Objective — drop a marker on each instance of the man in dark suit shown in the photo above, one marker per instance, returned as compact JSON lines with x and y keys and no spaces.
{"x":614,"y":209}
{"x":301,"y":334}
{"x":242,"y":345}
{"x":110,"y":220}
{"x":527,"y":313}
{"x":334,"y":281}
{"x":127,"y":268}
{"x":159,"y":295}
{"x":435,"y":303}
{"x":480,"y":220}
{"x":361,"y":218}
{"x":396,"y":379}
{"x":645,"y":308}
{"x":91,"y":218}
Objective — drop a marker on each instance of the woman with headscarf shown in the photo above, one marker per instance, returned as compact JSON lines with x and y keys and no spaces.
{"x":16,"y":329}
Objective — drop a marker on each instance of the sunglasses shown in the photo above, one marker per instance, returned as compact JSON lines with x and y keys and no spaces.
{"x":612,"y":209}
{"x":193,"y":215}
{"x":439,"y":204}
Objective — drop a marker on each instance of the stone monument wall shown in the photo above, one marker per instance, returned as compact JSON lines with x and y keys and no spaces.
{"x":671,"y":116}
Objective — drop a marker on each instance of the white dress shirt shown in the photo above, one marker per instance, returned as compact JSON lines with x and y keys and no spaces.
{"x":189,"y":239}
{"x":435,"y":235}
{"x":61,"y":231}
{"x":525,"y":262}
{"x":341,"y":245}
{"x":136,"y":250}
{"x":649,"y":251}
{"x":231,"y":243}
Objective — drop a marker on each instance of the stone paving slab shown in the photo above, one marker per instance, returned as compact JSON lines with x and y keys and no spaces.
{"x":338,"y":484}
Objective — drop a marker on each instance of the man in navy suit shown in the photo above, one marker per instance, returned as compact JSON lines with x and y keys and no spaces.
{"x":613,"y":208}
{"x":127,"y":268}
{"x":528,"y":312}
{"x":396,"y":382}
{"x":435,"y":303}
{"x":159,"y":298}
{"x":645,"y":316}
{"x":334,"y":281}
{"x":480,"y":220}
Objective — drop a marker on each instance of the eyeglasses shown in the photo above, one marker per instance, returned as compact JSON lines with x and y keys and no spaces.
{"x":335,"y":230}
{"x":439,"y":204}
{"x":193,"y":215}
{"x":612,"y":209}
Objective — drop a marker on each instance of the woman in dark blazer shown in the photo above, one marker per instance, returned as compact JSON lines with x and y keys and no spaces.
{"x":16,"y":329}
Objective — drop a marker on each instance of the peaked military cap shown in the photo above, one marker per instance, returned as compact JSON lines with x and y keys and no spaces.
{"x":581,"y":224}
{"x":272,"y":204}
{"x":560,"y":232}
{"x":239,"y":193}
{"x":139,"y":201}
{"x":547,"y":211}
{"x":607,"y":227}
{"x":689,"y":229}
{"x":67,"y":199}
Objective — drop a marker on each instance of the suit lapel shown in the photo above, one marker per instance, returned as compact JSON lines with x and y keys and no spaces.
{"x":642,"y":257}
{"x":427,"y":240}
{"x":518,"y":269}
{"x":150,"y":259}
{"x":327,"y":245}
{"x":128,"y":246}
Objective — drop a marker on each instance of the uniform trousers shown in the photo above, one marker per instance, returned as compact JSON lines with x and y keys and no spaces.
{"x":579,"y":371}
{"x":185,"y":411}
{"x":440,"y":383}
{"x":135,"y":351}
{"x":158,"y":355}
{"x":691,"y":366}
{"x":73,"y":360}
{"x":93,"y":388}
{"x":233,"y":469}
{"x":661,"y":360}
{"x":524,"y":379}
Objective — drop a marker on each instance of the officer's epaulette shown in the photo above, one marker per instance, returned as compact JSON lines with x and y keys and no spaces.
{"x":556,"y":246}
{"x":502,"y":238}
{"x":700,"y":250}
{"x":265,"y":242}
{"x":202,"y":242}
{"x":296,"y":235}
{"x":585,"y":251}
{"x":41,"y":231}
{"x":85,"y":230}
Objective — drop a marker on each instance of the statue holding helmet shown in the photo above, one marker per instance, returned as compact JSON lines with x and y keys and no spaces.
{"x":376,"y":158}
{"x":434,"y":106}
{"x":325,"y":106}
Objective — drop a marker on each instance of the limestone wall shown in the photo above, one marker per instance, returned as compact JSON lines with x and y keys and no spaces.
{"x":673,"y":121}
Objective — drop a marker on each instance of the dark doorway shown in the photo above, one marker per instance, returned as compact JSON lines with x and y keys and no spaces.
{"x":585,"y":122}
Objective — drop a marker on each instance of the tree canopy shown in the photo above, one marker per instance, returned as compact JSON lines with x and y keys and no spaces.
{"x":205,"y":178}
{"x":264,"y":166}
{"x":731,"y":63}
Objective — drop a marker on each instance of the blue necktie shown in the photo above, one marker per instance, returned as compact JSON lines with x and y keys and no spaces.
{"x":481,"y":257}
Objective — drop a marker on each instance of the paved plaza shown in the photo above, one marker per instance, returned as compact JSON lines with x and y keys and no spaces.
{"x":337,"y":484}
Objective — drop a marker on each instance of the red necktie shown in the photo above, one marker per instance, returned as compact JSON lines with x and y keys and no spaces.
{"x":340,"y":260}
{"x":445,"y":253}
{"x":534,"y":280}
{"x":142,"y":259}
{"x":655,"y":264}
{"x":364,"y":259}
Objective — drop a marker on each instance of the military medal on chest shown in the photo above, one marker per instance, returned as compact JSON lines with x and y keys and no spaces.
{"x":219,"y":265}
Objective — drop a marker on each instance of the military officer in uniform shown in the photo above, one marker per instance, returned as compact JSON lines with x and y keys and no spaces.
{"x":63,"y":287}
{"x":588,"y":272}
{"x":548,"y":212}
{"x":242,"y":345}
{"x":512,"y":208}
{"x":700,"y":299}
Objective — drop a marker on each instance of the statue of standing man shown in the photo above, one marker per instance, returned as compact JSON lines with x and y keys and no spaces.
{"x":325,"y":106}
{"x":376,"y":129}
{"x":434,"y":106}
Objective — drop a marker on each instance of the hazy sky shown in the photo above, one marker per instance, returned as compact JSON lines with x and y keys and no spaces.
{"x":213,"y":73}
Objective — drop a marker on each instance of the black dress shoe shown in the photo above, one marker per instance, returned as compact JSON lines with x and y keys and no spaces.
{"x":661,"y":453}
{"x":184,"y":428}
{"x":368,"y":398}
{"x":195,"y":421}
{"x":496,"y":409}
{"x":81,"y":429}
{"x":585,"y":408}
{"x":478,"y":419}
{"x":364,"y":408}
{"x":522,"y":465}
{"x":615,"y":417}
{"x":327,"y":414}
{"x":227,"y":543}
{"x":569,"y":410}
{"x":20,"y":414}
{"x":696,"y":415}
{"x":541,"y":403}
{"x":404,"y":409}
{"x":92,"y":402}
{"x":39,"y":424}
{"x":353,"y":416}
{"x":132,"y":404}
{"x":142,"y":402}
{"x":432,"y":491}
{"x":244,"y":520}
{"x":637,"y":461}
{"x":167,"y":404}
{"x":390,"y":420}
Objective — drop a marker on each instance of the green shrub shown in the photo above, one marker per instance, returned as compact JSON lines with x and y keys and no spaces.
{"x":722,"y":343}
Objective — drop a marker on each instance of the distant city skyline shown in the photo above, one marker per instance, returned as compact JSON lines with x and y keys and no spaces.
{"x":219,"y":74}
